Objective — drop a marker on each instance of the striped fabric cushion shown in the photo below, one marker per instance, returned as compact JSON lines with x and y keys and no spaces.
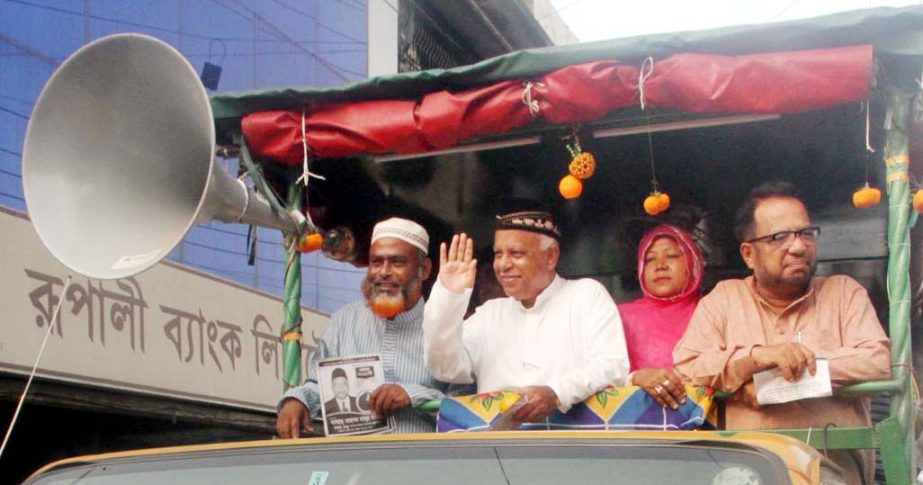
{"x":614,"y":408}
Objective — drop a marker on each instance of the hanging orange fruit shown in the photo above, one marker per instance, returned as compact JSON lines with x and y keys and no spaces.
{"x":656,"y":202}
{"x":310,"y":242}
{"x":570,"y":187}
{"x":918,"y":201}
{"x":582,"y":164}
{"x":652,"y":205}
{"x":866,"y":197}
{"x":664,"y":200}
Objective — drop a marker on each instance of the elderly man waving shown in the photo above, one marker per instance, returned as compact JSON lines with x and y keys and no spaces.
{"x":558,"y":341}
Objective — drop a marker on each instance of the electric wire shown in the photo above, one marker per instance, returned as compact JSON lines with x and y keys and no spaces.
{"x":12,"y":174}
{"x":175,"y":31}
{"x":14,"y":113}
{"x":314,"y":17}
{"x":38,"y":358}
{"x":11,"y":152}
{"x":276,"y":31}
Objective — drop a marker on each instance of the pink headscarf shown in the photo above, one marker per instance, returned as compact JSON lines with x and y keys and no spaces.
{"x":653,"y":324}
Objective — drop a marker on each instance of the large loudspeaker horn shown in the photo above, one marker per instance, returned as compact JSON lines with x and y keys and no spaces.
{"x":119,"y":159}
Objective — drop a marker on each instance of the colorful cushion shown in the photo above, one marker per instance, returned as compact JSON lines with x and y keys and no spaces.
{"x":614,"y":408}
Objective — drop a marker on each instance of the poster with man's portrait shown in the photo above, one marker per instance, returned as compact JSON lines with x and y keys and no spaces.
{"x":346,"y":384}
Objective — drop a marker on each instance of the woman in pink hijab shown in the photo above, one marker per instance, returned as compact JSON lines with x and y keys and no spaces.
{"x":670,"y":267}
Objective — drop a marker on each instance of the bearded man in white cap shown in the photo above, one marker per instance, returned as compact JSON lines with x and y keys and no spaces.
{"x":388,"y":322}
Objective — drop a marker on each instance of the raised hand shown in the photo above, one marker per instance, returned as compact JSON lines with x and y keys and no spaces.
{"x":457,"y":266}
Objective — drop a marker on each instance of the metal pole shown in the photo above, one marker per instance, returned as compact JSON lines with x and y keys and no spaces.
{"x":291,"y":328}
{"x":897,"y":160}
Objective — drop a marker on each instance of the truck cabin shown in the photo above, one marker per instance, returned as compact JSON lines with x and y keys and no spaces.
{"x":832,"y":104}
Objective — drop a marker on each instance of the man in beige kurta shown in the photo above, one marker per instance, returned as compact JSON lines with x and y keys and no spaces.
{"x":783,"y":316}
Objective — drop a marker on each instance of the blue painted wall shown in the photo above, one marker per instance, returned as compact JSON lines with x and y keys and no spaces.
{"x":258,"y":44}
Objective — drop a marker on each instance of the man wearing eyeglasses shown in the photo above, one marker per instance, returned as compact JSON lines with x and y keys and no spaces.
{"x":782,"y":316}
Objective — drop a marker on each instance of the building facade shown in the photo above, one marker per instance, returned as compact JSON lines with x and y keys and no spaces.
{"x":188,"y":351}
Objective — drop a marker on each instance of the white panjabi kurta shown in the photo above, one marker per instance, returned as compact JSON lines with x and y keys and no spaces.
{"x":571,"y":340}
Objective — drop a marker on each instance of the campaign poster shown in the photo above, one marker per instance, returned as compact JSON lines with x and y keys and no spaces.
{"x":346,"y":385}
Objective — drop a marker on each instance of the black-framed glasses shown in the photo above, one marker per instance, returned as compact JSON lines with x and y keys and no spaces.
{"x":807,"y":235}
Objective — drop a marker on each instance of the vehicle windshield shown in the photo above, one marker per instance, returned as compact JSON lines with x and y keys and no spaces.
{"x":439,"y":463}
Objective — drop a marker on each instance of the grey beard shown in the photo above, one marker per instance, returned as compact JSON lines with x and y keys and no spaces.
{"x":372,"y":295}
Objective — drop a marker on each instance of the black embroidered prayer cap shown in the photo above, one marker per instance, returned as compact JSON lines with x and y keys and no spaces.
{"x":338,"y":372}
{"x":526,"y":215}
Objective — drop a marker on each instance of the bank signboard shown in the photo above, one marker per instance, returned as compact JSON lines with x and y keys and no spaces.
{"x":170,"y":331}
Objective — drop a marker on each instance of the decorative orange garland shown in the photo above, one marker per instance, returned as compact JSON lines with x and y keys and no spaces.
{"x":570,"y":187}
{"x":866,"y":196}
{"x":656,"y":202}
{"x":582,"y":166}
{"x":310,"y":242}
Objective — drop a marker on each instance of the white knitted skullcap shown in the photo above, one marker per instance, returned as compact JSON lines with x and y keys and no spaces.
{"x":403,"y":229}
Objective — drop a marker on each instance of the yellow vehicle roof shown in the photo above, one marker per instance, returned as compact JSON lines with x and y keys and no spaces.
{"x":801,"y":460}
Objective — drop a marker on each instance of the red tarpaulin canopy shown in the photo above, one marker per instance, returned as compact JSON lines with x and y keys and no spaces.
{"x":783,"y":82}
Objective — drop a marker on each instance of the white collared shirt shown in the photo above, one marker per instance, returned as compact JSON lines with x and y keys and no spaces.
{"x":571,"y":340}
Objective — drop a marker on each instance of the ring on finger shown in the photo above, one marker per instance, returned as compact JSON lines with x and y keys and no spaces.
{"x":666,"y":383}
{"x":658,"y":389}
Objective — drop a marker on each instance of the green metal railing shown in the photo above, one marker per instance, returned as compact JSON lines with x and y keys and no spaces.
{"x":291,"y":326}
